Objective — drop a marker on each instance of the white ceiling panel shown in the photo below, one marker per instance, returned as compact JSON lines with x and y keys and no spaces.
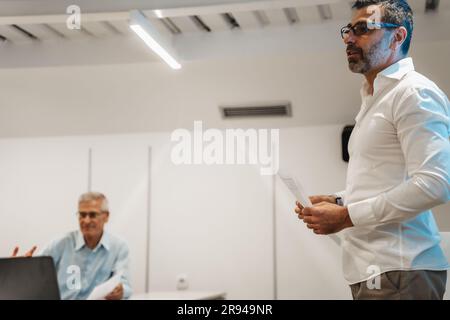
{"x":40,"y":31}
{"x":215,"y":22}
{"x":309,"y":15}
{"x":159,"y":25}
{"x":341,"y":11}
{"x":185,"y":24}
{"x":14,"y":35}
{"x":69,"y":33}
{"x":122,"y":26}
{"x":277,"y":17}
{"x":246,"y":20}
{"x":98,"y":29}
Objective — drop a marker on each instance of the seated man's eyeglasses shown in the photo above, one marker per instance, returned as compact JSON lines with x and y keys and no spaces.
{"x":91,"y":214}
{"x":362,"y":27}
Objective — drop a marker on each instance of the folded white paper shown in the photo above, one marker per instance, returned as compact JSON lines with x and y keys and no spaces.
{"x":102,"y":290}
{"x":296,"y":189}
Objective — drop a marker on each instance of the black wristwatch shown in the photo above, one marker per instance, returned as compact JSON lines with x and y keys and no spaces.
{"x":339,"y":201}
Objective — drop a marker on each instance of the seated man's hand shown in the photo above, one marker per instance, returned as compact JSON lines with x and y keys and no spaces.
{"x":116,"y":294}
{"x":29,"y":253}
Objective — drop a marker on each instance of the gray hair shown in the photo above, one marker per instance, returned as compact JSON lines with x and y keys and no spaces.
{"x":94,"y":196}
{"x":396,"y":12}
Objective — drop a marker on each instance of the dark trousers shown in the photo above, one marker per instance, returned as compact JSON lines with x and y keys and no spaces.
{"x":404,"y":285}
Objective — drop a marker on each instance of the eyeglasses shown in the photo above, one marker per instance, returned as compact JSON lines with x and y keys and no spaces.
{"x":91,"y":214}
{"x":364,"y":27}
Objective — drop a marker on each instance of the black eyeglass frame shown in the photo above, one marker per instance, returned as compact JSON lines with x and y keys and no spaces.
{"x":368,"y":27}
{"x":91,"y":214}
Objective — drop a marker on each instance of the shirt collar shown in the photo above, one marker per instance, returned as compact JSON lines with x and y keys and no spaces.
{"x":104,"y":241}
{"x":398,"y":69}
{"x":395,"y":71}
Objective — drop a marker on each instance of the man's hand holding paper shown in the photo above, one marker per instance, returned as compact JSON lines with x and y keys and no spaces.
{"x":324,"y":217}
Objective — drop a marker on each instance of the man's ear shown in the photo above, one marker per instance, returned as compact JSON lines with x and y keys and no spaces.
{"x":400,"y":35}
{"x":107,"y":216}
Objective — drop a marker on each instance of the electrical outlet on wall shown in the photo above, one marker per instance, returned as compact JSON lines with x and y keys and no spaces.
{"x":182,"y":282}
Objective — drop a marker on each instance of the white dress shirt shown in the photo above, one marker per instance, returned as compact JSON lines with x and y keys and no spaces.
{"x":399,"y":169}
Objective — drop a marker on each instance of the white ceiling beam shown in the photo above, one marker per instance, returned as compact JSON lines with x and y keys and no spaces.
{"x":236,"y":7}
{"x":167,"y":13}
{"x":62,"y":18}
{"x":248,"y":42}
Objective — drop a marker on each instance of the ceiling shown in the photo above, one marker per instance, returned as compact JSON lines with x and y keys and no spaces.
{"x":34,"y":33}
{"x":48,"y":23}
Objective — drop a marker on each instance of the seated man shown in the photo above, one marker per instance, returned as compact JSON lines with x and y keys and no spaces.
{"x":90,"y":256}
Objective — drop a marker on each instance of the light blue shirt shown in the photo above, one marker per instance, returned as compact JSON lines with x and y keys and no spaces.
{"x":80,"y":269}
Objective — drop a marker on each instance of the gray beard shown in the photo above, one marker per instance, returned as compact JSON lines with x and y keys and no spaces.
{"x":370,"y":59}
{"x":362,"y":66}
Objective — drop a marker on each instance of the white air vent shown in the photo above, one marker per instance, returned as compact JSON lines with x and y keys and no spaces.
{"x":257,"y":110}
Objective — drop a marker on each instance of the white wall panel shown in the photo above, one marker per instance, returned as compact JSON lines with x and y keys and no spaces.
{"x":308,"y":265}
{"x":214,"y":224}
{"x":40,"y":181}
{"x":120,"y":171}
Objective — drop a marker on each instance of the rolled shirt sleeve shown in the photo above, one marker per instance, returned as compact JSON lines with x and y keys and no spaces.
{"x":122,"y":266}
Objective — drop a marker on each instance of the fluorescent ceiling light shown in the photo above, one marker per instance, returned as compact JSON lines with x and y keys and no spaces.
{"x":143,"y":28}
{"x":155,"y":46}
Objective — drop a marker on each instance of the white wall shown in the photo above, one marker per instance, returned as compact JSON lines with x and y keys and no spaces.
{"x":212,"y":223}
{"x":215,"y":223}
{"x":41,"y":180}
{"x":36,"y":200}
{"x":220,"y":245}
{"x":153,"y":98}
{"x":309,"y":266}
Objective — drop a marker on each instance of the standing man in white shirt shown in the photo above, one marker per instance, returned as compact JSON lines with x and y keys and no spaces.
{"x":399,"y":165}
